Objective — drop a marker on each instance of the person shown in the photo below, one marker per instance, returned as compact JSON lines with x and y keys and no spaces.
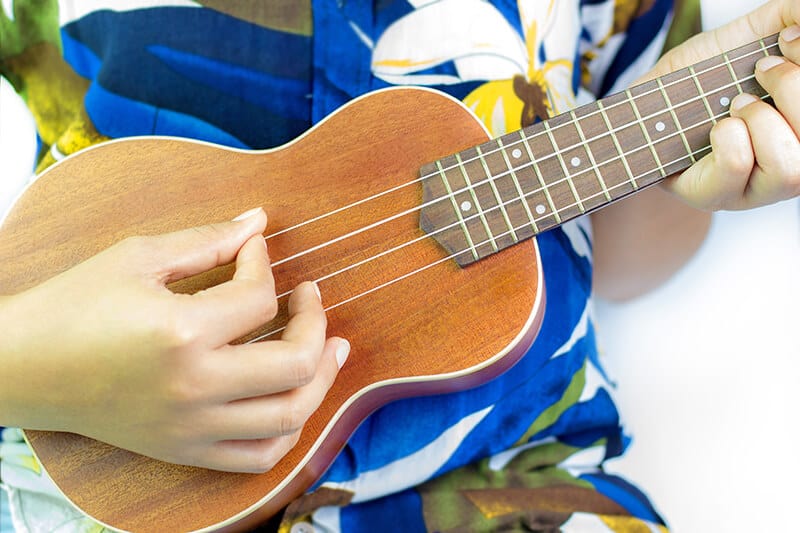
{"x":544,"y":429}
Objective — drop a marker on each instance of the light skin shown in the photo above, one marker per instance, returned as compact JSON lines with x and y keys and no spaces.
{"x":755,"y":161}
{"x":165,"y":379}
{"x":124,"y":360}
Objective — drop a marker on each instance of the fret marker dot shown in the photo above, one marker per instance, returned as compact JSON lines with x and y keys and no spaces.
{"x":660,"y":126}
{"x":540,"y":209}
{"x":724,"y":101}
{"x":575,"y":161}
{"x":466,"y":206}
{"x":517,"y":153}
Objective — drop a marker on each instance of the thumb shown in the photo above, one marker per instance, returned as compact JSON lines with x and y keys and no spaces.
{"x":177,"y":255}
{"x":769,"y":18}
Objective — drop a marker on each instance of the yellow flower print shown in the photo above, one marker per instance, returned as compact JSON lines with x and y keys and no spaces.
{"x":482,"y":45}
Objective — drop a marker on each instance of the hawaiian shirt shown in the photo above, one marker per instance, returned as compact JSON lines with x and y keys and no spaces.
{"x":524,"y":451}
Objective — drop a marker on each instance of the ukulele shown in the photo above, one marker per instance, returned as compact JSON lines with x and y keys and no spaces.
{"x":398,"y":201}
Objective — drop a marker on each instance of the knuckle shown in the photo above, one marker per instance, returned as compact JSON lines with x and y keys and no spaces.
{"x":263,"y":465}
{"x":269,"y":306}
{"x":177,"y":333}
{"x":318,"y":321}
{"x":786,"y":165}
{"x":177,"y":357}
{"x":271,"y":451}
{"x":785,"y":84}
{"x":266,"y":459}
{"x":181,"y":390}
{"x":791,"y":76}
{"x":179,"y":433}
{"x":669,"y":62}
{"x":136,"y":246}
{"x":292,"y":420}
{"x":264,"y":303}
{"x":738,"y":163}
{"x":736,"y":156}
{"x":304,"y":368}
{"x":184,"y":384}
{"x":208,"y":231}
{"x":792,"y":181}
{"x":705,"y":190}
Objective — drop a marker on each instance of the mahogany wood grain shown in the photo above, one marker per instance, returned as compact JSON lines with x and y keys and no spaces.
{"x":442,"y":329}
{"x":488,"y":197}
{"x":439,"y":328}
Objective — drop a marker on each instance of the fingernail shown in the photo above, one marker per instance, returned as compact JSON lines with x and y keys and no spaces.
{"x":316,"y":289}
{"x":767,"y":63}
{"x":743,"y":100}
{"x":791,"y":33}
{"x":247,"y":214}
{"x":342,"y":351}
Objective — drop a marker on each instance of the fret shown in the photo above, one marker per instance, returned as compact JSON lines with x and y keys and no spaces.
{"x":609,"y":161}
{"x":518,"y":187}
{"x":661,"y":122}
{"x":768,"y":46}
{"x":734,"y":77}
{"x":711,"y":114}
{"x":540,"y":209}
{"x":620,"y":152}
{"x":581,"y":177}
{"x":636,"y":148}
{"x":476,"y":202}
{"x":534,"y":197}
{"x":509,"y":182}
{"x":563,"y":165}
{"x":494,"y":186}
{"x":498,"y":197}
{"x":546,"y":155}
{"x":691,"y":111}
{"x":717,"y":90}
{"x":589,"y":153}
{"x":573,"y":163}
{"x":457,"y":210}
{"x":675,"y":119}
{"x":439,"y":218}
{"x":743,"y":65}
{"x":478,"y":205}
{"x":764,"y":47}
{"x":660,"y":166}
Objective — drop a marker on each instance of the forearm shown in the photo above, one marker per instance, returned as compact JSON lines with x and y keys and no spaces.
{"x":642,"y":241}
{"x":13,"y":386}
{"x":29,"y":397}
{"x":6,"y":381}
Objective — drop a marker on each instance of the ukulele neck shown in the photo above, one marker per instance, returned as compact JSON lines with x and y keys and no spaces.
{"x":494,"y":195}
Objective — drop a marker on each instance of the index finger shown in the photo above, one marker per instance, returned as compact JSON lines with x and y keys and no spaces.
{"x":228,"y":311}
{"x":269,"y":367}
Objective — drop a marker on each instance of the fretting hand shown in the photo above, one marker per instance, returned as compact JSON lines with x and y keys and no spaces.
{"x":755,"y":158}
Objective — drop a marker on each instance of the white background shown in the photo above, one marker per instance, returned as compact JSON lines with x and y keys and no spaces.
{"x":707,"y":365}
{"x":709,"y":373}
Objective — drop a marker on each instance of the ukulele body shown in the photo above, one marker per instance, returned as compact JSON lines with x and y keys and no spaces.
{"x":417,"y":322}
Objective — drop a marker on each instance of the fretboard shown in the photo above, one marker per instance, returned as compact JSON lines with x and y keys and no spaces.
{"x":489,"y":197}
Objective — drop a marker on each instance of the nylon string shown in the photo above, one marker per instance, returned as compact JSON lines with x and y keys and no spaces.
{"x":531,"y":163}
{"x":485,"y":241}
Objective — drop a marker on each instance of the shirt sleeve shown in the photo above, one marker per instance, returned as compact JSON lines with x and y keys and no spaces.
{"x":621,"y":41}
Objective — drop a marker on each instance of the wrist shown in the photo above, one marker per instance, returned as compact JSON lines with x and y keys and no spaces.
{"x":17,"y":407}
{"x":8,"y":399}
